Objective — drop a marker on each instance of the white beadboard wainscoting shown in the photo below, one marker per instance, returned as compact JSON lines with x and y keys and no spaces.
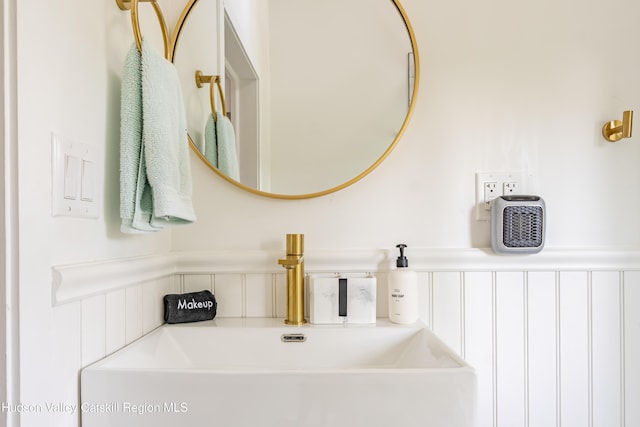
{"x":554,"y":337}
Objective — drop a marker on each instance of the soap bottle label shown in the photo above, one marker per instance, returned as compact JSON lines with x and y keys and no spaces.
{"x":397,"y":294}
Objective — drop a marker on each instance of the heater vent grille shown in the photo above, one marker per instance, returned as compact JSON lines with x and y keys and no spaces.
{"x":522,"y":226}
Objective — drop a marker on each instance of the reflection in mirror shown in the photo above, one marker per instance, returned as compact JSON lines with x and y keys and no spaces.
{"x":318,"y":91}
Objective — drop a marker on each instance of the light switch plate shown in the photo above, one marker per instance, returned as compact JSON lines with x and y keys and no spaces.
{"x":74,"y":178}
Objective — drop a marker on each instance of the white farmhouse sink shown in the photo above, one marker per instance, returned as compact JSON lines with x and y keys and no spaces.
{"x":260,"y":372}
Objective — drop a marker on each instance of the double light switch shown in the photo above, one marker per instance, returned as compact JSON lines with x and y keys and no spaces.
{"x":74,"y":179}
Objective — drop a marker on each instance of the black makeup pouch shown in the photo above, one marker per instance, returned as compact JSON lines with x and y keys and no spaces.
{"x":190,"y":307}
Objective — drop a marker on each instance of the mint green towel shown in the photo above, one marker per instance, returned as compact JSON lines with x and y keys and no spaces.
{"x":136,"y":205}
{"x":165,"y":140}
{"x":155,"y":175}
{"x":227,"y":151}
{"x":210,"y":149}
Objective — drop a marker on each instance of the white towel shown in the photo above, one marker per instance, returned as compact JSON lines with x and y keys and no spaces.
{"x":227,"y":151}
{"x":165,"y":140}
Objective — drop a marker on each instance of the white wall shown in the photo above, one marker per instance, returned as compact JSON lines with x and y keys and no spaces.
{"x":504,"y":86}
{"x":69,"y":62}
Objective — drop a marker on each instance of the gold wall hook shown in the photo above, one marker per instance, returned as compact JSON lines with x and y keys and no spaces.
{"x":201,"y":80}
{"x":615,"y":130}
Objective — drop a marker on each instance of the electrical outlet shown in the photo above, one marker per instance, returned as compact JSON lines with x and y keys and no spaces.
{"x":490,"y":193}
{"x":490,"y":185}
{"x":510,"y":188}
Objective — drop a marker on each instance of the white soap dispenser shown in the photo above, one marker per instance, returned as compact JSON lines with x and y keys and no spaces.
{"x":403,"y":291}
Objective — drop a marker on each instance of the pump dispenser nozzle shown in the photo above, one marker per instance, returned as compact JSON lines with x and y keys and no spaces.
{"x":402,"y":260}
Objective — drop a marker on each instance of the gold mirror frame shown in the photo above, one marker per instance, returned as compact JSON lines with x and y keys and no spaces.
{"x":414,"y":45}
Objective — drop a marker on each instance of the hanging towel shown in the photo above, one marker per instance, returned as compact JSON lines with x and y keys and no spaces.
{"x":164,"y":139}
{"x":135,"y":193}
{"x":227,"y":151}
{"x":210,"y":149}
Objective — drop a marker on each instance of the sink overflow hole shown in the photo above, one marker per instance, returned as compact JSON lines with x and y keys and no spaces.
{"x":293,"y":338}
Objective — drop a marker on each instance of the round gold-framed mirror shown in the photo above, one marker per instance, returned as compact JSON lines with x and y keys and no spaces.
{"x":334,"y":84}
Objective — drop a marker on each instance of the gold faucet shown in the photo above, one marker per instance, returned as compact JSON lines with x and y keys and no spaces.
{"x":294,"y":264}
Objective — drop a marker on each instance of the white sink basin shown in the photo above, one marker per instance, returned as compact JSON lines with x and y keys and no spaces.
{"x":260,"y":372}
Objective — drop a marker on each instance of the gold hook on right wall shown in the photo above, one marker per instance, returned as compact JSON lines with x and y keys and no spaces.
{"x":201,"y":80}
{"x":615,"y":130}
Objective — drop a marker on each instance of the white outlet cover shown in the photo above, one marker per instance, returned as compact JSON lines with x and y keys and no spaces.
{"x":483,"y":211}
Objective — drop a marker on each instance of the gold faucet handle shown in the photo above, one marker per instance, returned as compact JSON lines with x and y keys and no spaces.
{"x":291,"y":261}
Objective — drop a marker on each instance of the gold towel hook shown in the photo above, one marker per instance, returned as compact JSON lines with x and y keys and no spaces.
{"x":135,"y":22}
{"x":615,"y":130}
{"x":201,"y":80}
